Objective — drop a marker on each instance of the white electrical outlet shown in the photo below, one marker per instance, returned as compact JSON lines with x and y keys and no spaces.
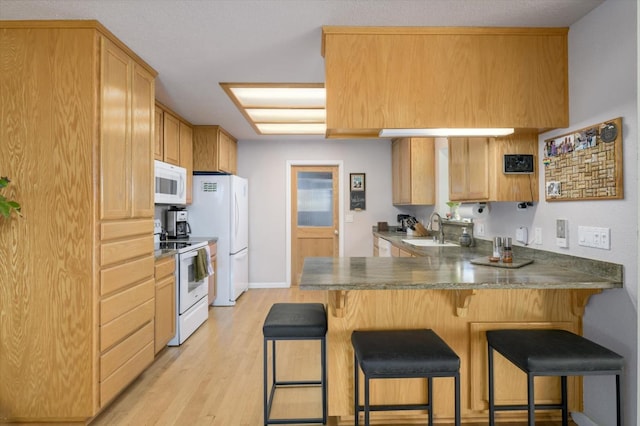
{"x":348,"y":218}
{"x":562,"y":233}
{"x":522,"y":235}
{"x":537,"y":235}
{"x":589,"y":236}
{"x":479,"y":228}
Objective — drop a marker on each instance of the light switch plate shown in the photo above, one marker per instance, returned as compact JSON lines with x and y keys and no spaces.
{"x":562,"y":233}
{"x":537,"y":235}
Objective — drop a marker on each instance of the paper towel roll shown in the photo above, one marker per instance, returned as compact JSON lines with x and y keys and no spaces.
{"x":474,"y":211}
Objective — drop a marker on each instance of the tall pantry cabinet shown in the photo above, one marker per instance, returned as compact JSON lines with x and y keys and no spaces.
{"x":77,"y":269}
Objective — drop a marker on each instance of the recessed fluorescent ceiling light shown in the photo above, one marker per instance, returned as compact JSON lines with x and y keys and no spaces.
{"x":286,"y":109}
{"x":292,"y":128}
{"x":392,"y":133}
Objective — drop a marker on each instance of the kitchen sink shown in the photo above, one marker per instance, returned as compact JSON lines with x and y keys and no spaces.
{"x":427,"y":243}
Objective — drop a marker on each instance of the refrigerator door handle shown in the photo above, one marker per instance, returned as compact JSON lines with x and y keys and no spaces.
{"x":237,"y":213}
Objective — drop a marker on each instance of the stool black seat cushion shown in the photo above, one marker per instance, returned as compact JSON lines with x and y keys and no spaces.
{"x":554,"y":352}
{"x":295,"y":320}
{"x":403,"y":353}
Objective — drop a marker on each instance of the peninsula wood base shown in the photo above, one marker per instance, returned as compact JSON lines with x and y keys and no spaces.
{"x":440,"y":310}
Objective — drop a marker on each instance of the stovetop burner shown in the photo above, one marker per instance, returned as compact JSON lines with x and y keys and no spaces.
{"x":173,"y":245}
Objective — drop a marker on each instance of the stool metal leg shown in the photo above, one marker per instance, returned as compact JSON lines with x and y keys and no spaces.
{"x":492,"y":407}
{"x":356,"y":385}
{"x":430,"y":399}
{"x":565,"y":408}
{"x":457,"y":399}
{"x":618,"y":409}
{"x":264,"y":369}
{"x":531,"y":400}
{"x":323,"y":362}
{"x":366,"y":401}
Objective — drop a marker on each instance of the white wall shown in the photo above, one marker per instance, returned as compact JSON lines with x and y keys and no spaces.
{"x":602,"y":86}
{"x":264,"y":164}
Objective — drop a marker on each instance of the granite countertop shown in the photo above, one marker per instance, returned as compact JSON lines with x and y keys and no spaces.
{"x":450,"y":268}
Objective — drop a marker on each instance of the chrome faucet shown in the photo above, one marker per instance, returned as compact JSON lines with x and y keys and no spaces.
{"x":440,"y":227}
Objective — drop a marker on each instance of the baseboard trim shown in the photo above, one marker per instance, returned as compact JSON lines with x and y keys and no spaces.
{"x":268,"y":285}
{"x":582,"y":419}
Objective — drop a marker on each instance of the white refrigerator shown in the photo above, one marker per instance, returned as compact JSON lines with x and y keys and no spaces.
{"x":220,"y":208}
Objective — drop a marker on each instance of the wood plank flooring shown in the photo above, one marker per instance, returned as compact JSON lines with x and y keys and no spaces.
{"x":215,"y":377}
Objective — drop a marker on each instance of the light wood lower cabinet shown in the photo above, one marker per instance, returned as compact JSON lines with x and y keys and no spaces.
{"x":165,"y":307}
{"x":436,"y":310}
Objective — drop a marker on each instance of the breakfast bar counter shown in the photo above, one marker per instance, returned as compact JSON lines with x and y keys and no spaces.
{"x":442,"y":290}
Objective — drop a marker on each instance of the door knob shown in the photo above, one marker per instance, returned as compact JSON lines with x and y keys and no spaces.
{"x":335,"y":231}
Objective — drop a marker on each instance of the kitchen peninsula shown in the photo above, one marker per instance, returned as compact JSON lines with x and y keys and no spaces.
{"x":441,"y":289}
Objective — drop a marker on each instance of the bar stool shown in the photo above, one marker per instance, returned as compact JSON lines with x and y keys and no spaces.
{"x":294,"y":321}
{"x":550,"y":353}
{"x":395,"y":354}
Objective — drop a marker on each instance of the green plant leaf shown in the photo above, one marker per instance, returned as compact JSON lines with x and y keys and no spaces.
{"x":5,"y":210}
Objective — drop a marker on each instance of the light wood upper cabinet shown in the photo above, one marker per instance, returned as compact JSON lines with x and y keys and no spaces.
{"x":413,"y":171}
{"x":214,"y":150}
{"x":476,"y":169}
{"x":74,"y":87}
{"x":186,"y":156}
{"x":158,"y":140}
{"x":171,"y":138}
{"x":411,"y":77}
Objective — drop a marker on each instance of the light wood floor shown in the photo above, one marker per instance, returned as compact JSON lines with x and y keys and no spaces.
{"x":215,"y":377}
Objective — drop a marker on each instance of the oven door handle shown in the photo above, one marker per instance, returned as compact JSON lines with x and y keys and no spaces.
{"x":189,"y":254}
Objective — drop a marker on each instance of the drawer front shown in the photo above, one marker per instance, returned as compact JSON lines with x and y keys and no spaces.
{"x":116,"y":330}
{"x":165,"y":267}
{"x":121,"y":276}
{"x":114,"y":306}
{"x":119,"y":251}
{"x":125,"y":228}
{"x":124,"y":375}
{"x":117,"y":356}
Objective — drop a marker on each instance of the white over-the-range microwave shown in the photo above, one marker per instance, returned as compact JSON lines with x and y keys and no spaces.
{"x":170,"y":184}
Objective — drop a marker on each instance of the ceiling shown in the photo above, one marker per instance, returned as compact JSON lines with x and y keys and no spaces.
{"x":196,"y":44}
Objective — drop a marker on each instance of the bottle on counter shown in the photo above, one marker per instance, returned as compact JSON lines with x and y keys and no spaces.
{"x":497,"y":248}
{"x":465,"y":238}
{"x":507,"y":250}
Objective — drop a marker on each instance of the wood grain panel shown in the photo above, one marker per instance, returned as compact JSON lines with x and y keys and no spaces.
{"x":114,"y":306}
{"x":119,"y":251}
{"x":142,"y":143}
{"x":126,"y":324}
{"x":436,"y":309}
{"x":158,"y":140}
{"x":125,"y":374}
{"x":457,"y":77}
{"x":171,"y":137}
{"x":115,"y":136}
{"x":164,"y":267}
{"x":186,"y":155}
{"x":165,"y":316}
{"x":514,"y":187}
{"x":125,"y":228}
{"x":47,"y":359}
{"x":121,"y":276}
{"x":113,"y":359}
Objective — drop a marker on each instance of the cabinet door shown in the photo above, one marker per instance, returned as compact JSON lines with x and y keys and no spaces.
{"x":233,"y":156}
{"x":468,"y":169}
{"x":186,"y":155}
{"x":401,"y":169}
{"x":115,"y":132}
{"x":171,"y":135}
{"x":395,"y":171}
{"x":158,"y":141}
{"x":477,"y":168}
{"x":224,"y":147}
{"x":142,"y":141}
{"x":165,"y":319}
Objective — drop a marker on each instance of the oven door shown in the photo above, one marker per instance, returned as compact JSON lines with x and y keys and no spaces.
{"x":190,"y":290}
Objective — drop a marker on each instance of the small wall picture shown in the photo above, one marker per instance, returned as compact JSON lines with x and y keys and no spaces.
{"x":553,"y":189}
{"x":357,"y":181}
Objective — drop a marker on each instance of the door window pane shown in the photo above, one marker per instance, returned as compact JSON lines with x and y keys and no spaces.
{"x":315,"y":199}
